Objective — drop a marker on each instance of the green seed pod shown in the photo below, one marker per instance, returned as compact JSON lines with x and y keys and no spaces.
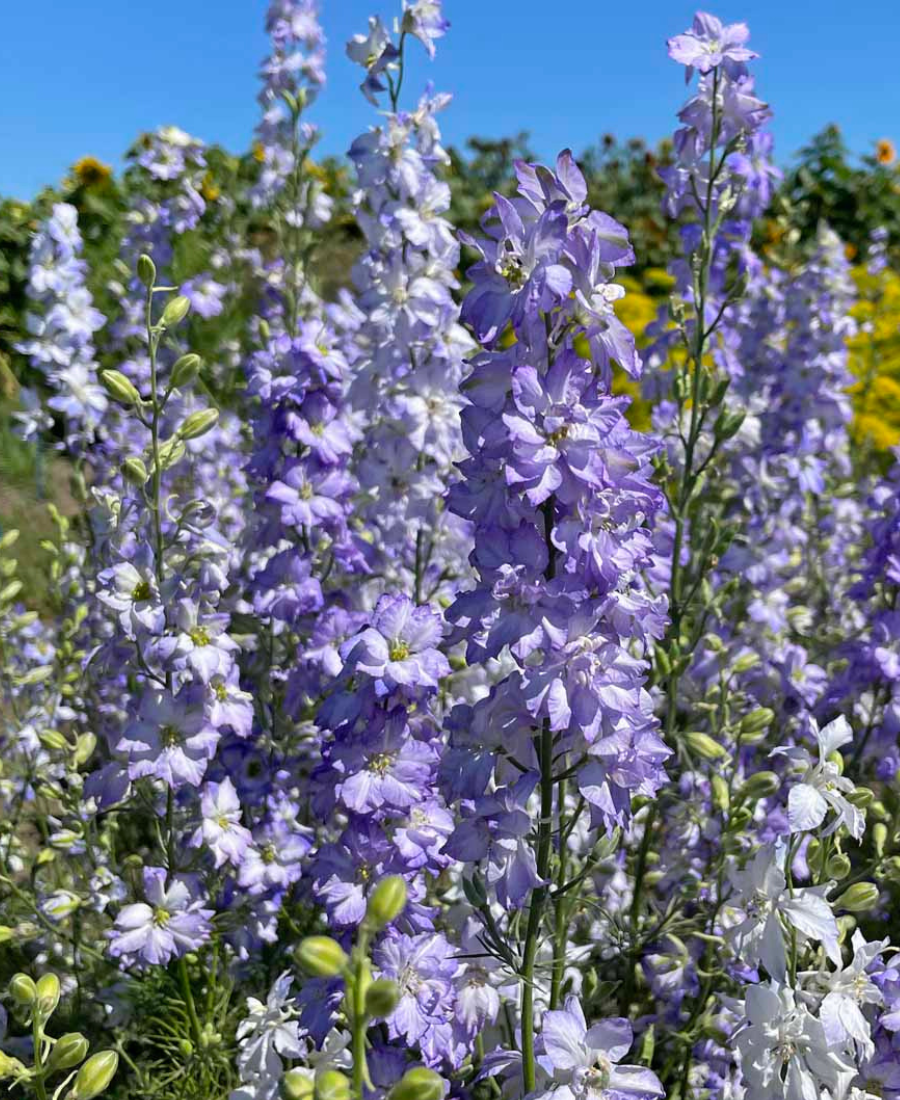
{"x":760,"y":785}
{"x":321,"y":956}
{"x":134,"y":471}
{"x":704,"y":746}
{"x":48,"y":991}
{"x":95,"y":1075}
{"x":331,"y":1084}
{"x":69,"y":1051}
{"x":119,"y":387}
{"x":381,"y":998}
{"x":838,"y":866}
{"x":146,"y":270}
{"x":418,"y":1083}
{"x":858,"y":898}
{"x":298,"y":1084}
{"x":175,"y":311}
{"x":198,"y":423}
{"x":22,"y":990}
{"x":387,"y":901}
{"x":185,"y":369}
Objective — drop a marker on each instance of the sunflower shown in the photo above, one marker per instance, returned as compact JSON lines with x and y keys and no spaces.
{"x":885,"y":152}
{"x":90,"y":172}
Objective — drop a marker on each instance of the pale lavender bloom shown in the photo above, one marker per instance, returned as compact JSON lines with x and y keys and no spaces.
{"x":205,"y":295}
{"x":425,"y":20}
{"x":822,"y":787}
{"x":171,"y":922}
{"x":221,"y":830}
{"x":767,"y":905}
{"x":400,"y":645}
{"x":267,"y":1034}
{"x":846,"y":991}
{"x":130,"y":588}
{"x":709,"y":44}
{"x":587,"y":1061}
{"x":171,"y":740}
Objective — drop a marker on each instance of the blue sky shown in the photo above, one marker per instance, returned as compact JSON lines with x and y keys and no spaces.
{"x":85,"y":78}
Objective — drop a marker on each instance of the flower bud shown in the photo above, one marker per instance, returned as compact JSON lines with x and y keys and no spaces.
{"x":11,"y":1067}
{"x":198,"y":423}
{"x":858,"y":898}
{"x":146,"y":270}
{"x":69,"y":1051}
{"x":387,"y":901}
{"x":879,"y":837}
{"x":47,"y":990}
{"x":185,"y":1048}
{"x":719,"y":792}
{"x":119,"y":387}
{"x":297,"y":1084}
{"x":418,"y":1083}
{"x":85,"y":744}
{"x":9,"y":539}
{"x":95,"y":1075}
{"x":175,"y":311}
{"x":704,"y":746}
{"x":838,"y":866}
{"x":321,"y":956}
{"x":134,"y":471}
{"x":757,"y":720}
{"x":760,"y":785}
{"x":331,"y":1084}
{"x":185,"y":369}
{"x":382,"y":997}
{"x":861,"y":797}
{"x":22,"y":990}
{"x":745,"y":662}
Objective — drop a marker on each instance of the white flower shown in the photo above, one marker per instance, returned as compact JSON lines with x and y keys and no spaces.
{"x":785,"y":1051}
{"x":822,"y":786}
{"x":268,"y":1034}
{"x":766,"y":902}
{"x":845,"y":991}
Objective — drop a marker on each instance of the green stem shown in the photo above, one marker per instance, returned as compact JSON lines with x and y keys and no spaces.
{"x":188,"y":995}
{"x":358,"y":1018}
{"x":561,"y":908}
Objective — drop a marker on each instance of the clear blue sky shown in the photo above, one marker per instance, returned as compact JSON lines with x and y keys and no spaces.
{"x":85,"y":77}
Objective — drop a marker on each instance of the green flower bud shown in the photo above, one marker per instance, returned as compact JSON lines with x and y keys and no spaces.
{"x":185,"y":1048}
{"x":11,"y":1067}
{"x":297,"y":1084}
{"x":704,"y":746}
{"x":85,"y":744}
{"x":198,"y":423}
{"x":69,"y":1051}
{"x":119,"y":387}
{"x":95,"y":1075}
{"x":879,"y":837}
{"x":9,"y":539}
{"x":9,"y":591}
{"x":134,"y":471}
{"x":418,"y":1083}
{"x":321,"y":956}
{"x":387,"y":901}
{"x":719,"y":792}
{"x":858,"y":898}
{"x":757,"y":720}
{"x":146,"y":270}
{"x":22,"y":990}
{"x":331,"y":1084}
{"x":861,"y":797}
{"x":48,"y":991}
{"x":381,"y":998}
{"x":760,"y":785}
{"x":185,"y":369}
{"x":745,"y":662}
{"x":53,"y":740}
{"x":838,"y":866}
{"x":176,"y":310}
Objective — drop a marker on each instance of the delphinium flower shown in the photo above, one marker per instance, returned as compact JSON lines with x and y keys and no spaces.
{"x":557,"y":488}
{"x":379,"y":774}
{"x":410,"y":345}
{"x":62,"y":321}
{"x":170,"y":922}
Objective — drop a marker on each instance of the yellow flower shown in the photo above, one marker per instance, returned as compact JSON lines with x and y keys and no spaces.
{"x":208,"y":188}
{"x":90,"y":172}
{"x":885,"y":152}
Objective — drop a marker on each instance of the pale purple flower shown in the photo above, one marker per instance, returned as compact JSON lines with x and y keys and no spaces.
{"x":171,"y":922}
{"x":221,"y":830}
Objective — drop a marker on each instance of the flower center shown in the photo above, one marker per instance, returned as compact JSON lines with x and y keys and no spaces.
{"x":141,"y":591}
{"x":381,"y":762}
{"x":170,"y":736}
{"x":399,"y":651}
{"x":200,"y":635}
{"x":161,"y":917}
